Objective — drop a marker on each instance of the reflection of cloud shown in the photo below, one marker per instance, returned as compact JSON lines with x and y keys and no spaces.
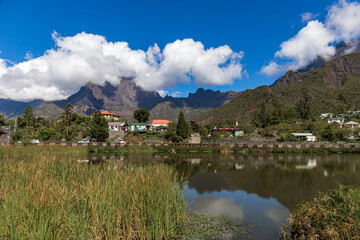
{"x":216,"y":206}
{"x":277,"y":213}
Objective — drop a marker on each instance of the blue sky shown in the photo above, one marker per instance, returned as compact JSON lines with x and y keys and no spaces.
{"x":254,"y":28}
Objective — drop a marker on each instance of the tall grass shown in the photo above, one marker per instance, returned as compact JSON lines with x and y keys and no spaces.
{"x":45,"y":193}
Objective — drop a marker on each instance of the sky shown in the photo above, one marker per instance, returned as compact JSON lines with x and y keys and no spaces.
{"x":49,"y":49}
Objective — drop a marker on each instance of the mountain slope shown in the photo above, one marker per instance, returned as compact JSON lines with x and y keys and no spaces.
{"x":334,"y":87}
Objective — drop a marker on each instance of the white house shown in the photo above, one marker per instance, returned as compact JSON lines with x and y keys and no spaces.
{"x":305,"y":136}
{"x":117,"y":126}
{"x":336,"y":120}
{"x":160,"y":123}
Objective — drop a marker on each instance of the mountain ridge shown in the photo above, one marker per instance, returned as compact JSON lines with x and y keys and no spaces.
{"x":122,"y":98}
{"x":334,"y":87}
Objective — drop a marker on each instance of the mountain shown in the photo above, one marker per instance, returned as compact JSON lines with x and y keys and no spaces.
{"x":123,"y":98}
{"x":333,"y":87}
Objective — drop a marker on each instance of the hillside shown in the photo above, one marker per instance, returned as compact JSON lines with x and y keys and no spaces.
{"x":334,"y":87}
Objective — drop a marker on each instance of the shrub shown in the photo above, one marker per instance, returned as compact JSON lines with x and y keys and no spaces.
{"x":332,"y":215}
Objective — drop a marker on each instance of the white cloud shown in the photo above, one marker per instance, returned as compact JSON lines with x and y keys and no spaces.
{"x":343,"y":20}
{"x":316,"y":39}
{"x":176,"y":94}
{"x":216,"y":206}
{"x":163,"y":93}
{"x":307,"y":16}
{"x":84,"y":57}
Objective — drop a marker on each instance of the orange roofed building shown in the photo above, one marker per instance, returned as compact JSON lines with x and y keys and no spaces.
{"x":110,"y":116}
{"x":160,"y":123}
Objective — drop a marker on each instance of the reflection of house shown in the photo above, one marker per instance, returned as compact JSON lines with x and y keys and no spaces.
{"x":117,"y":126}
{"x":350,"y":124}
{"x":137,"y":127}
{"x":160,"y":123}
{"x":310,"y":165}
{"x":110,"y":116}
{"x":305,"y":137}
{"x":326,"y":115}
{"x":336,"y":120}
{"x":232,"y":131}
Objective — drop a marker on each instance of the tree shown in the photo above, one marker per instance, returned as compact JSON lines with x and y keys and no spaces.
{"x":303,"y":109}
{"x":67,"y":117}
{"x":98,"y":128}
{"x":29,"y":117}
{"x":2,"y":120}
{"x":182,"y":127}
{"x":141,"y":115}
{"x":171,"y":133}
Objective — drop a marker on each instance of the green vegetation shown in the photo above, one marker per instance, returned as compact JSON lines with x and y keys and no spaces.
{"x":68,"y":126}
{"x":182,"y":129}
{"x":45,"y":193}
{"x":200,"y":226}
{"x":333,"y":88}
{"x":2,"y":120}
{"x":98,"y":128}
{"x":141,"y":115}
{"x":332,"y":215}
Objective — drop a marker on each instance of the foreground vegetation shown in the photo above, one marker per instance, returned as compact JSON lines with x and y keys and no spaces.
{"x":53,"y":192}
{"x":334,"y":215}
{"x":45,"y":193}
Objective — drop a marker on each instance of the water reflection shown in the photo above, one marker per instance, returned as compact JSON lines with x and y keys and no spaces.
{"x":262,"y":189}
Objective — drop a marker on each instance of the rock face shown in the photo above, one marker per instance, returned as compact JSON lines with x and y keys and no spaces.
{"x":290,"y":78}
{"x":122,"y":98}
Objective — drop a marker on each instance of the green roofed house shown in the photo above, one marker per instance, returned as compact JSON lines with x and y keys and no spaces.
{"x":305,"y":137}
{"x":137,"y":127}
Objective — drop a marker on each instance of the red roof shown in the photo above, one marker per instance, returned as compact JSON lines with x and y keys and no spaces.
{"x":109,"y":113}
{"x":160,"y":121}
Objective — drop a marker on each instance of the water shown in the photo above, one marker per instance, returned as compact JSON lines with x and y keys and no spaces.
{"x":260,"y":189}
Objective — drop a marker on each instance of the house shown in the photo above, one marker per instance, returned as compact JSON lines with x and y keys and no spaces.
{"x":137,"y":127}
{"x":110,"y":116}
{"x":350,"y":124}
{"x":326,"y":115}
{"x":336,"y":120}
{"x":305,"y":137}
{"x":232,"y":131}
{"x":117,"y":126}
{"x":160,"y":124}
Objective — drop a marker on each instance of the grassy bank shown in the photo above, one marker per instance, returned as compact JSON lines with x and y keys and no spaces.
{"x":45,"y":193}
{"x":332,"y":215}
{"x":223,"y":149}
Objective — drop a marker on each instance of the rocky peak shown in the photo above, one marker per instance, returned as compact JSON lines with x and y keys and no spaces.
{"x":290,"y":78}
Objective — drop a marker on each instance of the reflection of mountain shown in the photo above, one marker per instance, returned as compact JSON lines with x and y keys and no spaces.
{"x":275,"y":176}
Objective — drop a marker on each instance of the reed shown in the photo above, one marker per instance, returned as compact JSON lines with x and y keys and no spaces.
{"x":45,"y":193}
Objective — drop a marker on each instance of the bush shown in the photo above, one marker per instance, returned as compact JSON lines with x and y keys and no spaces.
{"x":332,"y":215}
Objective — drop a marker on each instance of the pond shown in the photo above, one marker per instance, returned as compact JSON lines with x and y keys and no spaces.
{"x":261,"y":189}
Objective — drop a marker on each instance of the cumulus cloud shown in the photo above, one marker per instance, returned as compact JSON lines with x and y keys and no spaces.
{"x":307,"y":16}
{"x":84,"y":58}
{"x":317,"y":39}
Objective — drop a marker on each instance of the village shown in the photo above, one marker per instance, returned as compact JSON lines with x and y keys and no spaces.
{"x":71,"y":128}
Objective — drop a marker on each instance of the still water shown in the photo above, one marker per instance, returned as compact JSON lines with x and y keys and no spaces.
{"x":260,"y":189}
